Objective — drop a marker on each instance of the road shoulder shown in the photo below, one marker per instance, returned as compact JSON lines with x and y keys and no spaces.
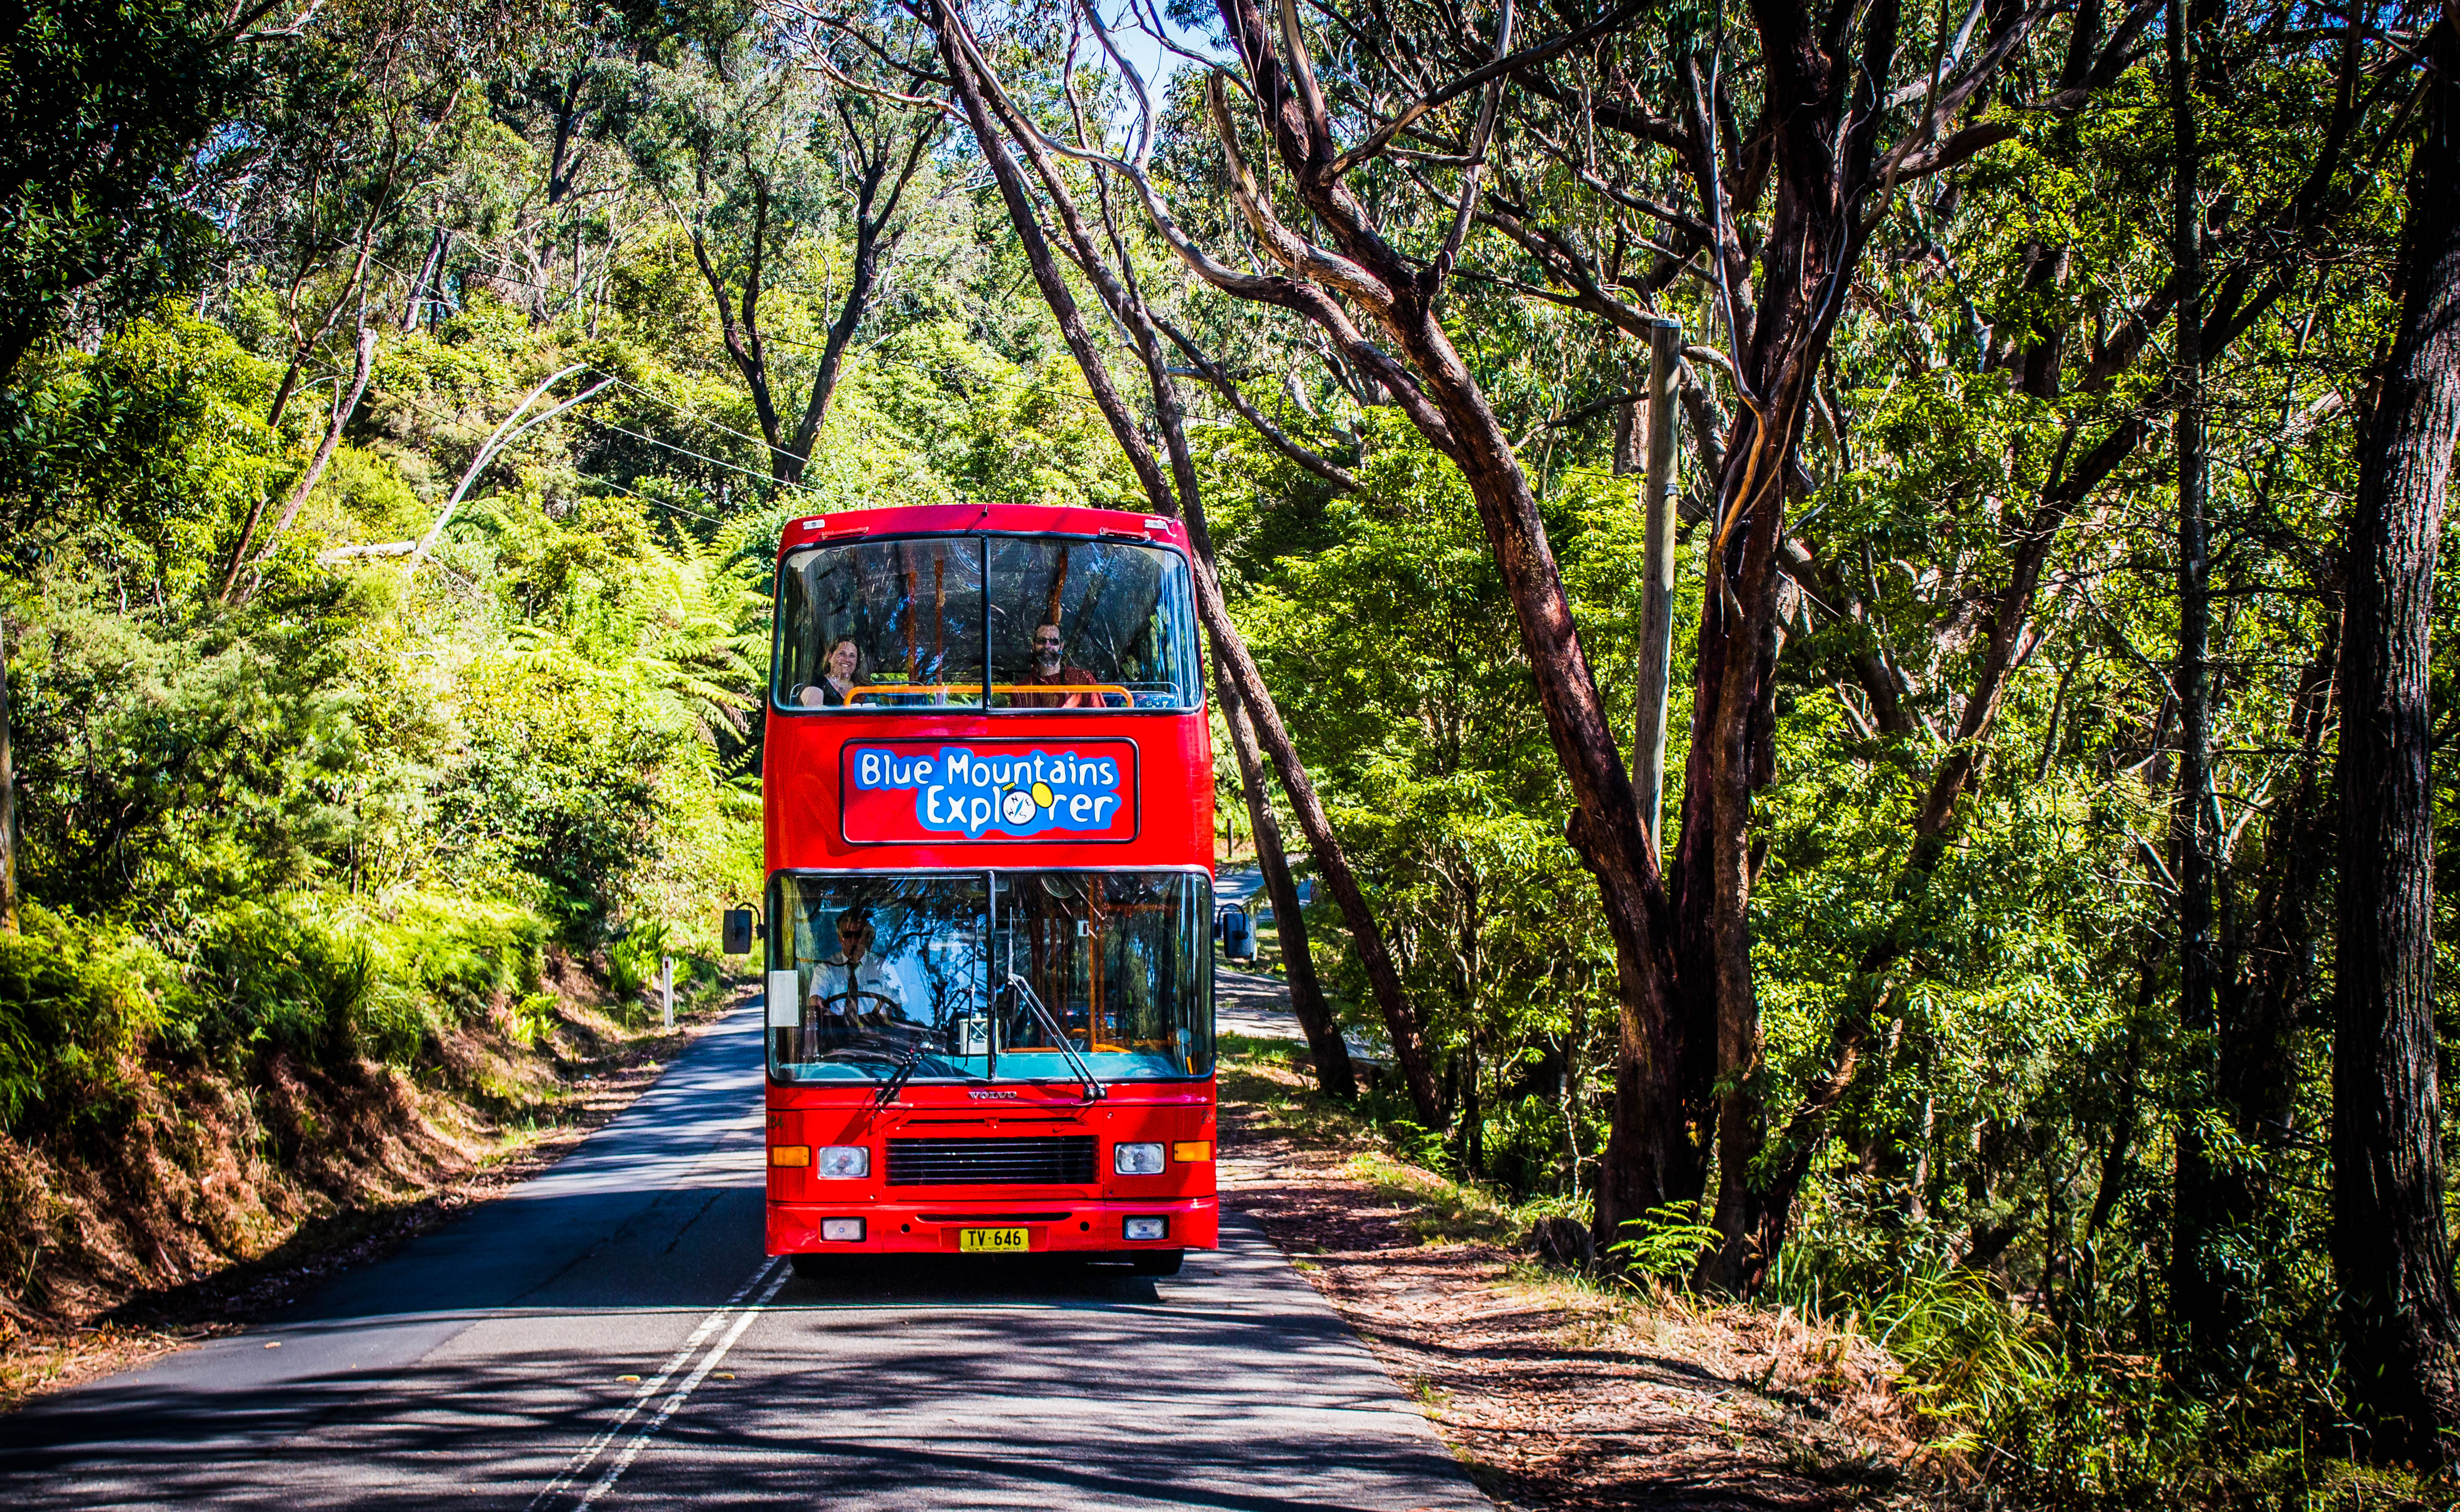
{"x":1552,"y":1391}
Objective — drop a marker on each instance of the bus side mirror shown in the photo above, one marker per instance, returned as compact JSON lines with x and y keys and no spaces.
{"x":1238,"y":934}
{"x":736,"y":932}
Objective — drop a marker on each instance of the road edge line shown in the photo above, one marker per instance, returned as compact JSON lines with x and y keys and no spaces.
{"x":589,"y":1453}
{"x":700,"y":1373}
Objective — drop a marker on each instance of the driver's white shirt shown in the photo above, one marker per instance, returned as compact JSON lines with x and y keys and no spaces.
{"x":869,"y":976}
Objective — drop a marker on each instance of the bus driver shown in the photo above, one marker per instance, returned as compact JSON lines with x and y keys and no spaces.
{"x":854,"y":988}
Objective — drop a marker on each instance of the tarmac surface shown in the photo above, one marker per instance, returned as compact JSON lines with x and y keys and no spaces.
{"x":610,"y":1334}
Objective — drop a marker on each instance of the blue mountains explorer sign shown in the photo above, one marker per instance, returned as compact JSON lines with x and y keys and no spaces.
{"x":988,"y":790}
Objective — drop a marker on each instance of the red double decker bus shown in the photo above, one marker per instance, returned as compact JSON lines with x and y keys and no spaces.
{"x":989,"y":797}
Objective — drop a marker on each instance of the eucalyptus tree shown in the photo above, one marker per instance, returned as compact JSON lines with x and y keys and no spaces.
{"x":1171,"y":486}
{"x":367,"y":116}
{"x":1384,"y":150}
{"x":757,"y":156}
{"x":571,"y":96}
{"x":113,"y":122}
{"x":2391,"y":1242}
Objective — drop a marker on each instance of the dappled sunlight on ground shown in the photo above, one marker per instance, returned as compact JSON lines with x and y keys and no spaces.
{"x":1556,"y":1392}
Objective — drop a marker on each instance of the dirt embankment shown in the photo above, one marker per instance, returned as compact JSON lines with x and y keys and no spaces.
{"x":225,"y":1192}
{"x":1556,"y":1392}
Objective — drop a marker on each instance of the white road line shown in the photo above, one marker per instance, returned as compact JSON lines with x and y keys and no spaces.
{"x":700,"y":1373}
{"x":709,"y":1325}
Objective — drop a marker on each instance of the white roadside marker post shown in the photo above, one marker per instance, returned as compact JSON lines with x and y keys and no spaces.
{"x":667,"y":988}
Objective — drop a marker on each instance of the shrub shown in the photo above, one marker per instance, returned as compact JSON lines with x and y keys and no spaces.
{"x":1665,"y":1244}
{"x":632,"y":961}
{"x":465,"y":953}
{"x":279,"y":974}
{"x":74,"y":1003}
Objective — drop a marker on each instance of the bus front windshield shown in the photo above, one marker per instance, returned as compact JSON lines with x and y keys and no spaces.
{"x":1005,"y":975}
{"x":1006,"y":622}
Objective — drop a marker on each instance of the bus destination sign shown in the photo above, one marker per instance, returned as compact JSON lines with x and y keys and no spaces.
{"x":916,"y":792}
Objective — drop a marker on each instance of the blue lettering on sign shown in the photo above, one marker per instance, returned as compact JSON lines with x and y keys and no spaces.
{"x":960,"y":793}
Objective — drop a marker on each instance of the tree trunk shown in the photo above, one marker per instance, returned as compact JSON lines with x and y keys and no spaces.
{"x":7,"y":800}
{"x":2391,"y":1255}
{"x":1333,"y":864}
{"x":1657,"y":598}
{"x":1333,"y":1072}
{"x":2200,"y":1300}
{"x":414,"y":303}
{"x":872,"y":240}
{"x":1435,"y":387}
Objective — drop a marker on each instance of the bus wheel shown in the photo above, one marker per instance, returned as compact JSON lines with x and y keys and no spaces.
{"x":810,"y":1267}
{"x":1158,"y":1262}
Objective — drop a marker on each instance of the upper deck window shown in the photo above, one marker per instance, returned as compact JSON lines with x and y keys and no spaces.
{"x":1069,"y":623}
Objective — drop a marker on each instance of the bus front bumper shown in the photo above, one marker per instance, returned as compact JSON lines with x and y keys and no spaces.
{"x":1058,"y":1226}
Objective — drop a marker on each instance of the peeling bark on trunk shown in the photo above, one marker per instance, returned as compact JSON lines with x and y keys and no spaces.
{"x":7,"y":800}
{"x":2400,"y":1315}
{"x":2201,"y":1290}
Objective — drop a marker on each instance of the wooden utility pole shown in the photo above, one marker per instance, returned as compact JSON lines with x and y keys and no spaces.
{"x":1657,"y":599}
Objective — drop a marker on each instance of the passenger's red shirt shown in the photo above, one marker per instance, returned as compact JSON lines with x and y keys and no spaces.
{"x":1065,"y":677}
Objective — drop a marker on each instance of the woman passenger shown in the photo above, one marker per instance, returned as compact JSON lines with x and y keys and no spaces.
{"x":839,"y":677}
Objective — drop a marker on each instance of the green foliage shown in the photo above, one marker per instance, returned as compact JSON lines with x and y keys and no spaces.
{"x":1967,"y":1354}
{"x":632,"y":960}
{"x":340,"y":811}
{"x":73,"y":1008}
{"x":284,"y":975}
{"x":111,"y":112}
{"x":466,"y":953}
{"x":1666,"y":1242}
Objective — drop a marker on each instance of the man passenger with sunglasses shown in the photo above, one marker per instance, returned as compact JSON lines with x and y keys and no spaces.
{"x":1050,"y":670}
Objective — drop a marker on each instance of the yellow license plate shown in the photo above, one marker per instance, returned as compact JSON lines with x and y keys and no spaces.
{"x":972,"y":1241}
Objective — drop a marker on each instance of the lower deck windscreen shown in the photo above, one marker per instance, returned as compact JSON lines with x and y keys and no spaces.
{"x":986,"y":975}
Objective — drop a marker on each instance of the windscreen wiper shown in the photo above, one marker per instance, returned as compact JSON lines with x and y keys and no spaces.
{"x":1094,"y":1092}
{"x":896,"y":1084}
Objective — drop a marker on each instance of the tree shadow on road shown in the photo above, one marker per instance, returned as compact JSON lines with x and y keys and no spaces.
{"x":907,"y":1280}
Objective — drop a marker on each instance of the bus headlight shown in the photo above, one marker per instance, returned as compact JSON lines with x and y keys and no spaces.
{"x":1148,"y":1229}
{"x":1136,"y":1160}
{"x":843,"y":1161}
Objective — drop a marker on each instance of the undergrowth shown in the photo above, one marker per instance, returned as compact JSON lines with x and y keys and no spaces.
{"x":175,"y":1100}
{"x":2016,"y":1415}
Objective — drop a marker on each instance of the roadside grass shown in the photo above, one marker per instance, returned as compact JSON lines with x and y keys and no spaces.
{"x":1931,"y":1391}
{"x":1378,"y":1144}
{"x":1815,"y":1402}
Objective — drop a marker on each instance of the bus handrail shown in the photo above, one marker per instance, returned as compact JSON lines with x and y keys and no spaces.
{"x":889,"y":690}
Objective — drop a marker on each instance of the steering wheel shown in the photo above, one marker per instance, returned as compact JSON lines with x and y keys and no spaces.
{"x":894,"y":1009}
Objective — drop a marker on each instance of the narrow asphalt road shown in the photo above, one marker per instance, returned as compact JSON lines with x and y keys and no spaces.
{"x":610,"y":1334}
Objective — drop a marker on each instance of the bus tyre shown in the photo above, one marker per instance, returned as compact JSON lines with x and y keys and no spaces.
{"x":810,"y":1267}
{"x":1157,"y":1262}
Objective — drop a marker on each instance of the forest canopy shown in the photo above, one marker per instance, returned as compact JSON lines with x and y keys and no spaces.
{"x":1921,"y":878}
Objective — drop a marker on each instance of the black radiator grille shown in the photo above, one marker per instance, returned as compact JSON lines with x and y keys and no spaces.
{"x":1063,"y":1162}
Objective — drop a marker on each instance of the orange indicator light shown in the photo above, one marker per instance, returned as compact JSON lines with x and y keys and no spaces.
{"x":1191,"y":1152}
{"x":790,"y":1154}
